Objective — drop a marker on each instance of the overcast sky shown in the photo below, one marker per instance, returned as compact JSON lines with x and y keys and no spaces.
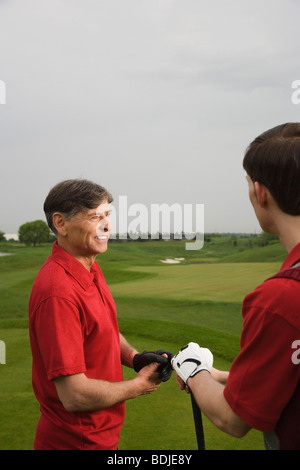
{"x":154,"y":99}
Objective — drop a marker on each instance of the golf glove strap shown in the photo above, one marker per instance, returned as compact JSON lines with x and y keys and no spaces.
{"x":165,"y":371}
{"x":190,"y":360}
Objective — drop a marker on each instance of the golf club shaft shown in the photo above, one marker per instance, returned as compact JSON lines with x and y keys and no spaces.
{"x":198,"y":424}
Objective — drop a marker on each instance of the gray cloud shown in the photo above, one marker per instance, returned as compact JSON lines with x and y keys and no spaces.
{"x":155,"y":99}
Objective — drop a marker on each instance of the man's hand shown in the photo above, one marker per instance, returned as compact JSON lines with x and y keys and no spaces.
{"x":190,"y":360}
{"x":161,"y":357}
{"x":147,"y":379}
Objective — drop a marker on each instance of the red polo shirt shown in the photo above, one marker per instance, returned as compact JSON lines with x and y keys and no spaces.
{"x":264,"y":378}
{"x":73,"y":329}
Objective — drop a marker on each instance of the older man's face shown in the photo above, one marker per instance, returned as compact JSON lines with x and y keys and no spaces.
{"x":88,"y":231}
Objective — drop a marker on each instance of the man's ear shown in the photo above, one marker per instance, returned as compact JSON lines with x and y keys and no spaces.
{"x":59,"y":223}
{"x":262,"y":194}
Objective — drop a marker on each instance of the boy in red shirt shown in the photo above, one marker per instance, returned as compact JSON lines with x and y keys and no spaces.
{"x":262,"y":389}
{"x":77,"y":349}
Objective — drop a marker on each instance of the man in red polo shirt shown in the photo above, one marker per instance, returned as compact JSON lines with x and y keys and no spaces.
{"x":262,"y":388}
{"x":77,"y":349}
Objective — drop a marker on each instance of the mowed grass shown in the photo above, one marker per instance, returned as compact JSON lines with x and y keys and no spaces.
{"x":159,"y":306}
{"x":19,"y":411}
{"x":220,"y":282}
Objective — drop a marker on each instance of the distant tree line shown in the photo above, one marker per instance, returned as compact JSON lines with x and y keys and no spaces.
{"x":36,"y":232}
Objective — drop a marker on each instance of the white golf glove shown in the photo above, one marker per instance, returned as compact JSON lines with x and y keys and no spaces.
{"x":190,"y":360}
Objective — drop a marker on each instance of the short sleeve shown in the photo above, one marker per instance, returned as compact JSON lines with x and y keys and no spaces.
{"x":262,"y":378}
{"x":59,"y":336}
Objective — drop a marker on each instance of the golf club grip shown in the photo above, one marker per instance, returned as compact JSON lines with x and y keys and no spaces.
{"x":198,"y":424}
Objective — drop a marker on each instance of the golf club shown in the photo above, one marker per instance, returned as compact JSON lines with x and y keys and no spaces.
{"x":198,"y":424}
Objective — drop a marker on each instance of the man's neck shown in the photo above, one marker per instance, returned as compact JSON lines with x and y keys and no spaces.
{"x":86,"y":261}
{"x":289,"y":231}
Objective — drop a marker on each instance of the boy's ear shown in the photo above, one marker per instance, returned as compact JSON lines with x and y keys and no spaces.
{"x":262,"y":194}
{"x":59,"y":223}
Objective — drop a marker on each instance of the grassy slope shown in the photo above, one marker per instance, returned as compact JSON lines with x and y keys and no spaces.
{"x":158,"y":306}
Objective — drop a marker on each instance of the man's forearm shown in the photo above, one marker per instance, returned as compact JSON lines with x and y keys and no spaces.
{"x":219,"y":375}
{"x":127,"y":352}
{"x":79,"y":393}
{"x":209,"y":395}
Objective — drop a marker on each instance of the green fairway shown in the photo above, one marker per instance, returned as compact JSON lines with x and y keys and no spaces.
{"x":159,"y":306}
{"x":218,"y":282}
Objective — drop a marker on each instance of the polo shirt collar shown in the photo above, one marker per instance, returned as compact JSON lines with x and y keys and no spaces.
{"x":72,"y":266}
{"x":292,"y":257}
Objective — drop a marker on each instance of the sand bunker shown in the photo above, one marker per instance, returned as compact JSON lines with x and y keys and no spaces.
{"x":172,"y":261}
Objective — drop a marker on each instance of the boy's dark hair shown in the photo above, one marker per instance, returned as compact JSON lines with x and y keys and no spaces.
{"x":273,"y":159}
{"x":72,"y":196}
